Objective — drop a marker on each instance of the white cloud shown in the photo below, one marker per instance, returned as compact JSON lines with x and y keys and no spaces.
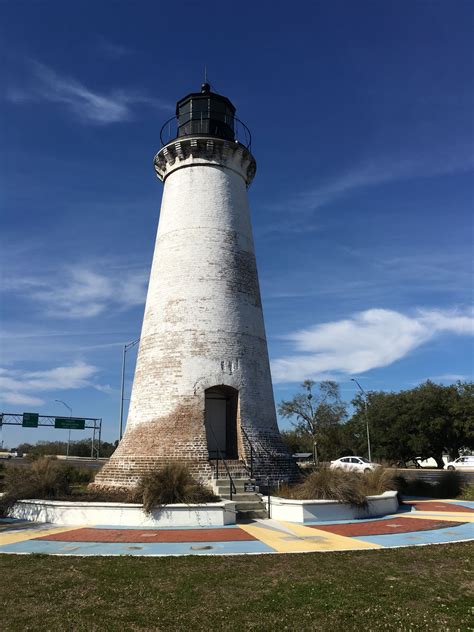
{"x":369,"y":339}
{"x":22,"y":387}
{"x":80,"y":291}
{"x":85,"y":103}
{"x":21,"y":399}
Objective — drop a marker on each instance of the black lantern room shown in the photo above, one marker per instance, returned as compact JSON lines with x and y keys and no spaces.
{"x":206,"y":113}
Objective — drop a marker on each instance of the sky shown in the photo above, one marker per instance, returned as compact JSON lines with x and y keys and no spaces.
{"x":362,"y":128}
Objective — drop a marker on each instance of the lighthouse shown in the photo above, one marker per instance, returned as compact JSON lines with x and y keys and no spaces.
{"x":202,"y":392}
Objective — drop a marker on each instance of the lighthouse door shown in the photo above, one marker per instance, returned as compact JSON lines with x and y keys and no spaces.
{"x":221,"y":422}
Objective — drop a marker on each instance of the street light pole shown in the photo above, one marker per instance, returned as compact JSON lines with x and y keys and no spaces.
{"x":126,"y":347}
{"x":366,"y":416}
{"x":69,"y":433}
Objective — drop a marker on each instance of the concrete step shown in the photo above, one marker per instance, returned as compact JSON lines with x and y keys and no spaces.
{"x":239,"y":483}
{"x":251,"y":514}
{"x":255,"y":505}
{"x":238,"y":497}
{"x":236,"y":468}
{"x":234,"y":474}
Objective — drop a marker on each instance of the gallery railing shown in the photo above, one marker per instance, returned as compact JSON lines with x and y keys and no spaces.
{"x":206,"y":126}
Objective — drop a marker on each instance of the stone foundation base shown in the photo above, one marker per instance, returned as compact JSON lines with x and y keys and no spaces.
{"x":125,"y":472}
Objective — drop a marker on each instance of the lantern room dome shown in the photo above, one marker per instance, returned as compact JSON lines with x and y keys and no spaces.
{"x":206,"y":113}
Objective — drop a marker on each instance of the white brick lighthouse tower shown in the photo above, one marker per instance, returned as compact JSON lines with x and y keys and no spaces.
{"x":202,"y":389}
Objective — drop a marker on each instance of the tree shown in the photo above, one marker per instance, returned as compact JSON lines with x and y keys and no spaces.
{"x":316,"y":415}
{"x":76,"y":448}
{"x":423,"y":422}
{"x":296,"y":441}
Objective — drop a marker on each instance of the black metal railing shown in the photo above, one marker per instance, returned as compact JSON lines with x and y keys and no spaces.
{"x":204,"y":126}
{"x":232,"y":488}
{"x":251,"y":451}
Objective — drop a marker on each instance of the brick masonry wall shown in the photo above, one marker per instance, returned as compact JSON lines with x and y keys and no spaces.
{"x":203,"y":324}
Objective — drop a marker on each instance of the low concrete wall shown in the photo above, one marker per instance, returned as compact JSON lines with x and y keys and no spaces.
{"x":330,"y":510}
{"x":124,"y":514}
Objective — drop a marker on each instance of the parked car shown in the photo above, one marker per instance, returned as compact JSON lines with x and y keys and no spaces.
{"x":354,"y":463}
{"x":461,"y":463}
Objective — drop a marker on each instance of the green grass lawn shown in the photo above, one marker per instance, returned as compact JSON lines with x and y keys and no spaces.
{"x":423,"y":588}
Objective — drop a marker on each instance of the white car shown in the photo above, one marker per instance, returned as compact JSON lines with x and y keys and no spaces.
{"x":462,"y":463}
{"x":353,"y":463}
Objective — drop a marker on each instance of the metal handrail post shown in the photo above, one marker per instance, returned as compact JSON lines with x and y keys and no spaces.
{"x":219,"y":453}
{"x":268,"y":497}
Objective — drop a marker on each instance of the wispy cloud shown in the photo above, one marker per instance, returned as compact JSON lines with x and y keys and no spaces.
{"x":449,"y":377}
{"x":83,"y":102}
{"x":368,"y":173}
{"x":81,"y":291}
{"x":369,"y":339}
{"x":112,"y":49}
{"x":25,"y":387}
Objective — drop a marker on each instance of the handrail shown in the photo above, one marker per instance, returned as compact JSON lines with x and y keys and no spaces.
{"x":247,"y":136}
{"x":251,"y":451}
{"x":264,"y":449}
{"x":232,"y":488}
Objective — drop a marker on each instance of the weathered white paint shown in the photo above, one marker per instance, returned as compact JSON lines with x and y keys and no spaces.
{"x":203,"y":324}
{"x":203,"y":321}
{"x":124,"y":514}
{"x":329,"y":510}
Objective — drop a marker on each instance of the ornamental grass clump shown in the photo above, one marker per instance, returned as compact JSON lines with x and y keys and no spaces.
{"x":46,"y":478}
{"x":377,"y":481}
{"x":171,"y":484}
{"x":327,"y":484}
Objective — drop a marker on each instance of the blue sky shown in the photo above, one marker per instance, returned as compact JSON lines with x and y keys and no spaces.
{"x":361,"y":114}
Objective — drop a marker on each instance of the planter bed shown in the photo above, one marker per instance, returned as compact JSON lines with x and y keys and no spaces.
{"x":124,"y":514}
{"x":329,"y":510}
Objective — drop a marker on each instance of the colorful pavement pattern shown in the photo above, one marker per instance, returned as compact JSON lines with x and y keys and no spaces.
{"x":417,"y":522}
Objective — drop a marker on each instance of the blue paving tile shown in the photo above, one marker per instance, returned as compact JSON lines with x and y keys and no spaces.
{"x":147,"y":548}
{"x":355,"y":521}
{"x":435,"y":536}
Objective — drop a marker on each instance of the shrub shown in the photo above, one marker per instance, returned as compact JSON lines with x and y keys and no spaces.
{"x":2,"y":476}
{"x":327,"y":484}
{"x":79,"y":475}
{"x":41,"y":480}
{"x":449,"y":485}
{"x":172,"y":484}
{"x":467,"y":492}
{"x":45,"y":478}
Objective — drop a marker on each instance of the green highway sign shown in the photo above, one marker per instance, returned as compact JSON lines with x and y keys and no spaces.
{"x":30,"y":420}
{"x":69,"y":423}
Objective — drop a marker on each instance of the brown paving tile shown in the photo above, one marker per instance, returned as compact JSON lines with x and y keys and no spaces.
{"x":151,"y":535}
{"x":382,"y":527}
